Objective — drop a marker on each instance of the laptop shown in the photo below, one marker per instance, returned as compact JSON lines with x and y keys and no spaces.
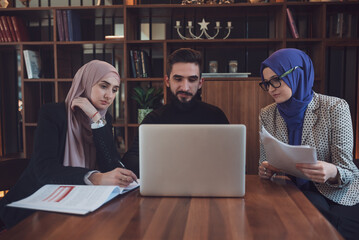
{"x":192,"y":160}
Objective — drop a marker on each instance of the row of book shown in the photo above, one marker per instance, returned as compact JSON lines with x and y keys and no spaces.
{"x":68,"y":25}
{"x":13,"y":29}
{"x":343,"y":25}
{"x":139,"y":64}
{"x":340,"y":25}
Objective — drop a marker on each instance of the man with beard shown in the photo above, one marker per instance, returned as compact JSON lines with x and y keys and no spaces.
{"x":185,"y":107}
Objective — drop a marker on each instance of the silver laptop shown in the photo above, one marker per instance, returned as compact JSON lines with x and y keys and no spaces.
{"x":192,"y":160}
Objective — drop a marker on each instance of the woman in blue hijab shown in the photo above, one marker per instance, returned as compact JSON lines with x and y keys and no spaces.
{"x":300,"y":116}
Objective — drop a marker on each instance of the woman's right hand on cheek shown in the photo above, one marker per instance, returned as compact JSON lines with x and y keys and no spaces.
{"x":119,"y":176}
{"x":266,"y":171}
{"x":85,"y":105}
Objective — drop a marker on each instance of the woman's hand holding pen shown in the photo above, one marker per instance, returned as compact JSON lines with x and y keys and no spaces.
{"x":86,"y":106}
{"x":119,"y":176}
{"x":266,"y":171}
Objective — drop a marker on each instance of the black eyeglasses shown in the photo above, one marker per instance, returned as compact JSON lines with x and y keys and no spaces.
{"x":275,"y":81}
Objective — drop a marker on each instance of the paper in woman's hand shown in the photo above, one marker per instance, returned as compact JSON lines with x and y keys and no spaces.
{"x":284,"y":156}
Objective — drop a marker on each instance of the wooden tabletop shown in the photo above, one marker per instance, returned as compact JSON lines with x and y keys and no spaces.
{"x":269,"y":210}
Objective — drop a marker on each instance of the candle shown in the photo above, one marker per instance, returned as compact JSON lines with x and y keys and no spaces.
{"x":229,"y":24}
{"x":178,"y":23}
{"x":218,"y":24}
{"x":189,"y":23}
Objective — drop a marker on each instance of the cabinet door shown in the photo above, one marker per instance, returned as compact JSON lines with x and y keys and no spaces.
{"x":241,"y":101}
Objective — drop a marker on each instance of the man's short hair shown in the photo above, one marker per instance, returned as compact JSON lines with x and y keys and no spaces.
{"x":184,"y":55}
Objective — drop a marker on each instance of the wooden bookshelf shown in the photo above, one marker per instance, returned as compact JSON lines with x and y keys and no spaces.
{"x":258,"y":30}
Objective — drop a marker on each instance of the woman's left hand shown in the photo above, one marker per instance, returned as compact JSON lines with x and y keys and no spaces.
{"x":86,"y":106}
{"x":319,"y":172}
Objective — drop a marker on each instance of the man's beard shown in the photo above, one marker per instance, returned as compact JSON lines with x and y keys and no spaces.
{"x":183,"y":99}
{"x":183,"y":105}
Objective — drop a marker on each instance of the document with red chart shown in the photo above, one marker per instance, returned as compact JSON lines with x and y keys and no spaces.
{"x":76,"y":199}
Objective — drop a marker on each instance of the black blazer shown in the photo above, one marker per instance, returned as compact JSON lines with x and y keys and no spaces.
{"x":46,"y":165}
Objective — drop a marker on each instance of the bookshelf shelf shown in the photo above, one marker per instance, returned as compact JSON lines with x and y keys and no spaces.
{"x":143,"y":79}
{"x":259,"y":29}
{"x":64,"y":79}
{"x":194,"y":6}
{"x":39,"y":80}
{"x":342,"y":42}
{"x":133,"y":125}
{"x":247,"y":79}
{"x":38,"y":43}
{"x":30,"y":124}
{"x":305,"y":40}
{"x":234,"y":41}
{"x":118,"y":124}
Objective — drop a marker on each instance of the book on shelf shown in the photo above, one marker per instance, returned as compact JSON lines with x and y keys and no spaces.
{"x":137,"y":61}
{"x":158,"y":31}
{"x":6,"y":29}
{"x":226,"y":75}
{"x":145,"y":64}
{"x":339,"y":25}
{"x":11,"y":29}
{"x":21,"y":31}
{"x":33,"y":63}
{"x":132,"y":63}
{"x":60,"y":25}
{"x":292,"y":25}
{"x":66,"y":25}
{"x":2,"y":38}
{"x":74,"y":25}
{"x":2,"y":29}
{"x":354,"y":26}
{"x":75,"y":199}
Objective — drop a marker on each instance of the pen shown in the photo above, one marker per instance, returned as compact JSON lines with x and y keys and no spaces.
{"x":123,"y":166}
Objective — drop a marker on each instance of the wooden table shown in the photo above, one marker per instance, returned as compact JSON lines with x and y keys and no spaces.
{"x":270,"y":210}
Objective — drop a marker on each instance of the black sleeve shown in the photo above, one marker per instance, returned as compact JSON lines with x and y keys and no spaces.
{"x":106,"y":153}
{"x":131,"y":158}
{"x":222,"y":119}
{"x":47,"y":160}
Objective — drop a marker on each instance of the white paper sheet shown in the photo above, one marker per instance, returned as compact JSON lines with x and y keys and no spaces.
{"x":284,"y":156}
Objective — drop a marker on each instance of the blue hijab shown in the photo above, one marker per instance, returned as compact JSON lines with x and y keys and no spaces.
{"x":300,"y":81}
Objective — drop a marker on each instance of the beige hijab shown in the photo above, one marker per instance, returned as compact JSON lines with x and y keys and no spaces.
{"x":79,"y":149}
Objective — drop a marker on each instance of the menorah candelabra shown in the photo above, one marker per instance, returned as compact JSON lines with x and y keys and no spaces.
{"x":203,"y":29}
{"x":185,"y":2}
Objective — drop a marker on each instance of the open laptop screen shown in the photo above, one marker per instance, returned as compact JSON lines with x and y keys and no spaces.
{"x":192,"y":160}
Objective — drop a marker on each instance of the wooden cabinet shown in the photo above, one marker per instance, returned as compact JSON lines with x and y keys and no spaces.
{"x":259,"y":29}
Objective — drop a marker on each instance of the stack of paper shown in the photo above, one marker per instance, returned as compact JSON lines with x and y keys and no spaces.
{"x":284,"y":156}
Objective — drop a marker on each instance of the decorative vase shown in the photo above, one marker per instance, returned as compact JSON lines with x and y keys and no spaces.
{"x":142,"y":114}
{"x":4,"y":3}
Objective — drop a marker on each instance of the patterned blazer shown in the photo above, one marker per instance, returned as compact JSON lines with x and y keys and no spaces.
{"x":327,"y":127}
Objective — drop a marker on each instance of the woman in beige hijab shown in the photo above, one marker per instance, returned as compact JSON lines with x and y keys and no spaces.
{"x":73,"y":141}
